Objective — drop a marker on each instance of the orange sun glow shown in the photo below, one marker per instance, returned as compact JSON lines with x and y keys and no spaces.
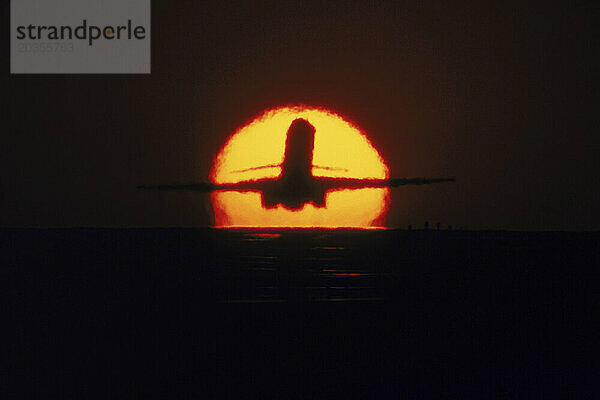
{"x":340,"y":150}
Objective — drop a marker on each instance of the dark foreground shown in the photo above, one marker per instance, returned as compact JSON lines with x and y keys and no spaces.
{"x":175,"y":313}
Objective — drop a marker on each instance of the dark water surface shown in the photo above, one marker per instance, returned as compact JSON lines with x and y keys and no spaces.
{"x":184,"y":313}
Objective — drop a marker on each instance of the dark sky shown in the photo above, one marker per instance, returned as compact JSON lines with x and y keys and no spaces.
{"x":504,"y":97}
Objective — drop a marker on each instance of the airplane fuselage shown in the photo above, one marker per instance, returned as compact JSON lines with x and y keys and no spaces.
{"x":296,"y":185}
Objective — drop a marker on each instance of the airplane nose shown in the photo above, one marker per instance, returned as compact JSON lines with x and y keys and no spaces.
{"x":300,"y":124}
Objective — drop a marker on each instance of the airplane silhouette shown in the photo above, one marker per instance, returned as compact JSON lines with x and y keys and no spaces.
{"x":296,"y":184}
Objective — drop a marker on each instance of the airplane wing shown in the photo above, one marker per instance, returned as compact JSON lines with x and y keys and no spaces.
{"x":210,"y":187}
{"x":351,"y":183}
{"x":200,"y":187}
{"x":325,"y":183}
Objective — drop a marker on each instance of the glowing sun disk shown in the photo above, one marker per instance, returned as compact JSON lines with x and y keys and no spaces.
{"x":340,"y":150}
